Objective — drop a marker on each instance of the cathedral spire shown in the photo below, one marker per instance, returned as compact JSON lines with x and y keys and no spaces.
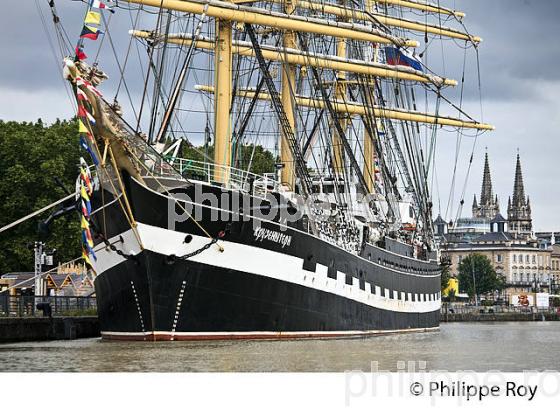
{"x":519,"y":210}
{"x":488,"y":206}
{"x":486,"y":195}
{"x":518,"y":187}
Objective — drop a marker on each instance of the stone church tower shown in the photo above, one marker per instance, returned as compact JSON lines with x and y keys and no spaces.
{"x":519,"y":208}
{"x":488,"y":207}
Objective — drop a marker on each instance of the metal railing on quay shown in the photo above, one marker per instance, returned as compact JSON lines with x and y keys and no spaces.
{"x":496,"y":309}
{"x":26,"y":306}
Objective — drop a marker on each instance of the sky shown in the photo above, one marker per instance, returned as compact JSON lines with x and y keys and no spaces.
{"x":520,"y":89}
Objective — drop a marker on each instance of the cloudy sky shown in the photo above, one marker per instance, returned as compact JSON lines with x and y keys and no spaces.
{"x":520,"y":74}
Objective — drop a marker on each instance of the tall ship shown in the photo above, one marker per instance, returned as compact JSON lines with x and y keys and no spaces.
{"x":264,"y":168}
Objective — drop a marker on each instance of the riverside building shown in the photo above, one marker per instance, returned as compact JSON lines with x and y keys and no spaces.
{"x":527,"y":261}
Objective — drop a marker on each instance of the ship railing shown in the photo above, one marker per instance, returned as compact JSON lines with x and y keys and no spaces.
{"x":237,"y":179}
{"x":26,"y":305}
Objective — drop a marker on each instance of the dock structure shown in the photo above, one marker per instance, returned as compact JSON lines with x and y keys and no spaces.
{"x":22,"y":329}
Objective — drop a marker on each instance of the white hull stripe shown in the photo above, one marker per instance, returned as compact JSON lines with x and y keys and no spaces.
{"x":262,"y":262}
{"x":257,"y":335}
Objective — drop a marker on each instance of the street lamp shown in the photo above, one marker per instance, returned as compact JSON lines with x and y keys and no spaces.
{"x":535,"y":282}
{"x":474,"y":280}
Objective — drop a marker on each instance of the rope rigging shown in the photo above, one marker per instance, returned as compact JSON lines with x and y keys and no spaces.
{"x":404,"y":150}
{"x":299,"y":160}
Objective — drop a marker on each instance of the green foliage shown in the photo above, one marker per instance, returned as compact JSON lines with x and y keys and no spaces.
{"x":445,"y":275}
{"x":196,"y":153}
{"x":260,"y":159}
{"x":451,"y":295}
{"x":485,"y":276}
{"x":31,"y":155}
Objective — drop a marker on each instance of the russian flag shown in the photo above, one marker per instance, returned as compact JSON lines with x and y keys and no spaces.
{"x":90,"y":32}
{"x":394,"y":56}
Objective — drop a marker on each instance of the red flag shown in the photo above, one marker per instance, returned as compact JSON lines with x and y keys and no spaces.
{"x":80,"y":55}
{"x":82,"y":111}
{"x":90,"y":32}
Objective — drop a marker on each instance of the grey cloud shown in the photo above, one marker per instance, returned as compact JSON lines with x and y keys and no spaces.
{"x":519,"y":60}
{"x":520,"y":46}
{"x":31,"y":64}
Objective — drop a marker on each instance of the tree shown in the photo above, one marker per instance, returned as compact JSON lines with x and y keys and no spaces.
{"x":253,"y":158}
{"x":259,"y":159}
{"x":31,"y":156}
{"x":445,"y":276}
{"x":485,"y":277}
{"x":451,"y":295}
{"x":196,"y":153}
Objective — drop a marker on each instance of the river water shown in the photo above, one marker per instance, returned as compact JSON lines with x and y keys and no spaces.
{"x":479,"y":347}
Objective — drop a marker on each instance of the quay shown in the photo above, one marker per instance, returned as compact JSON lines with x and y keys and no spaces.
{"x":59,"y":318}
{"x":497,"y":314}
{"x":76,"y":317}
{"x":23,"y":329}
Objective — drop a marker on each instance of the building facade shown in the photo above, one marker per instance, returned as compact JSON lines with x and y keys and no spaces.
{"x":526,"y":261}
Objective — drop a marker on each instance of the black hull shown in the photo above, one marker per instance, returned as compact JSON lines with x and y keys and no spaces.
{"x":153,"y":295}
{"x":205,"y":300}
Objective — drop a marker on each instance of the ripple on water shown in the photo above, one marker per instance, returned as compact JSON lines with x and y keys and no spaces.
{"x":457,"y":346}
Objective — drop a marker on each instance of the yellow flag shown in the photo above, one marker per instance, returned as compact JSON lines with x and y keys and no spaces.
{"x":86,"y":257}
{"x":84,"y":193}
{"x":93,"y":17}
{"x":81,"y":126}
{"x":85,"y":223}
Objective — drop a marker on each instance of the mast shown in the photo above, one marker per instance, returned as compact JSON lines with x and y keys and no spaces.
{"x":252,"y":15}
{"x":348,"y":13}
{"x":288,"y":81}
{"x":222,"y":100}
{"x":369,"y":161}
{"x":340,"y":94}
{"x":377,"y":111}
{"x":414,"y":5}
{"x":432,"y":8}
{"x":297,"y":57}
{"x":369,"y":151}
